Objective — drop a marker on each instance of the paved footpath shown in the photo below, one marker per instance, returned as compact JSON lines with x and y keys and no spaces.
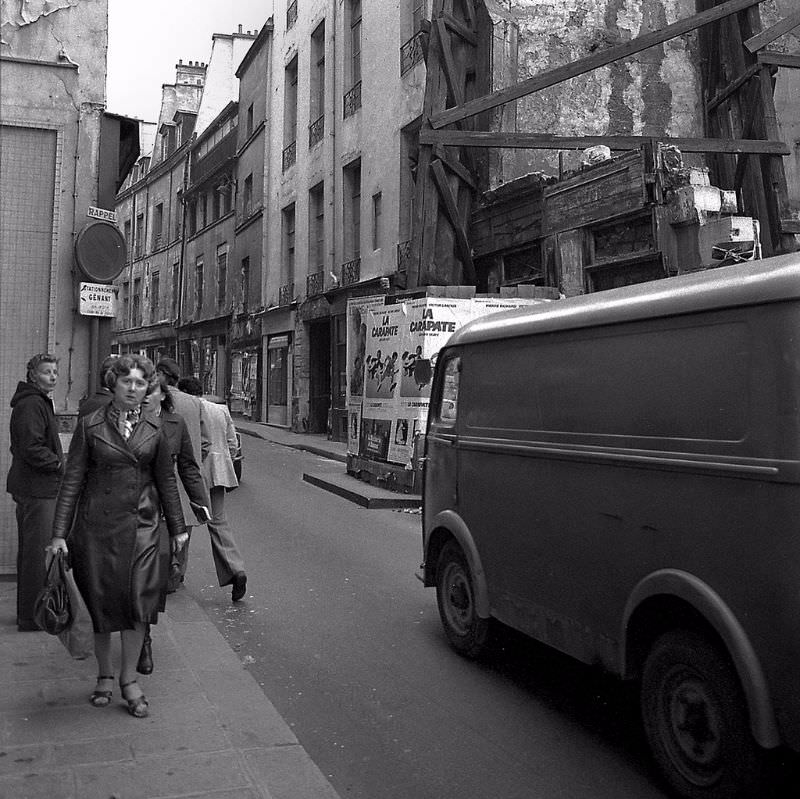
{"x":211,"y":733}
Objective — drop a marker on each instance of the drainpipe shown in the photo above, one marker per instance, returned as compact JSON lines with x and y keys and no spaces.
{"x":182,"y":251}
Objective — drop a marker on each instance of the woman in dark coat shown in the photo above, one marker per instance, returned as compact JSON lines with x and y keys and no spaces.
{"x":37,"y":464}
{"x":119,"y":476}
{"x":195,"y":501}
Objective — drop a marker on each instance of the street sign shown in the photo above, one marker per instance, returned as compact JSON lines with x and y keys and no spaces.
{"x":100,"y":251}
{"x":98,"y":299}
{"x":101,"y":213}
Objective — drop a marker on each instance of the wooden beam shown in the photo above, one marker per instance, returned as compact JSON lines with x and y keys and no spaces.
{"x":789,"y":22}
{"x":451,"y":209}
{"x":779,"y":59}
{"x":448,"y":64}
{"x":456,"y":167}
{"x":545,"y":141}
{"x":733,"y":86}
{"x":587,"y":64}
{"x":458,"y":27}
{"x":469,"y":7}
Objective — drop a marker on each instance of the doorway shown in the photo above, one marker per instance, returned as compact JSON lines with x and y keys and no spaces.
{"x":319,"y":376}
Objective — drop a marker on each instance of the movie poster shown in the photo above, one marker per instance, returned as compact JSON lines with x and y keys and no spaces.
{"x":391,"y":358}
{"x":382,"y":362}
{"x":358,"y":318}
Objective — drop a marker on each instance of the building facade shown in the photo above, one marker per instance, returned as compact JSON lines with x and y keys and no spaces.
{"x":60,"y":155}
{"x":348,"y":85}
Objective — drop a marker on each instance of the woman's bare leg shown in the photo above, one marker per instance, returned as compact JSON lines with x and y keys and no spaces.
{"x":105,"y":667}
{"x":131,"y":647}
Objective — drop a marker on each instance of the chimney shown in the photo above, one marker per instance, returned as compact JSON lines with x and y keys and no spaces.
{"x":240,"y":28}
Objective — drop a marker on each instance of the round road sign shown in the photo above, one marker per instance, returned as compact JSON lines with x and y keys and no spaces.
{"x":100,"y":251}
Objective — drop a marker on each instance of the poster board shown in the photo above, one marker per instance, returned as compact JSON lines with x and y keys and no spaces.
{"x":392,"y":349}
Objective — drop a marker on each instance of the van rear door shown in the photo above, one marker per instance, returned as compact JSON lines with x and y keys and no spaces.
{"x":440,"y":487}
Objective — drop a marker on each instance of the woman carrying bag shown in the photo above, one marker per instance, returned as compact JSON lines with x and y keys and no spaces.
{"x":119,"y":476}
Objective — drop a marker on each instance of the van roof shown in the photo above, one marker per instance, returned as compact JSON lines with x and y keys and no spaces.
{"x":755,"y":282}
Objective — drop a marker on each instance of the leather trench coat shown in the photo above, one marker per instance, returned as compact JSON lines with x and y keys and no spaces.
{"x":109,"y":508}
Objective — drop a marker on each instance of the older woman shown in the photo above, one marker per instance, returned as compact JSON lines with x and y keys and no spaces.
{"x":118,"y":478}
{"x":37,"y":464}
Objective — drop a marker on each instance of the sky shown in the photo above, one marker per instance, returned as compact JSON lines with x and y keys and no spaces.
{"x":147,"y":37}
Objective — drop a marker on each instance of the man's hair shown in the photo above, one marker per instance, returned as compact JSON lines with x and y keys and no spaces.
{"x":190,"y":385}
{"x":34,"y":363}
{"x":123,"y":365}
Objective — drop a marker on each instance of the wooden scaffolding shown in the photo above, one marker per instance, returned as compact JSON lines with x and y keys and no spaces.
{"x":742,"y":141}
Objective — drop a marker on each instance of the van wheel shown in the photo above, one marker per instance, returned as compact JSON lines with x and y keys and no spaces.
{"x":467,"y":632}
{"x":696,"y":721}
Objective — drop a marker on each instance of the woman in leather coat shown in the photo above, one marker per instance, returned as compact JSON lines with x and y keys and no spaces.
{"x":118,"y":478}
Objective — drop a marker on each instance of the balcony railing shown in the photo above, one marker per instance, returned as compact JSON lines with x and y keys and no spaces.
{"x":315,"y":284}
{"x":403,"y":255}
{"x":412,"y":52}
{"x":316,"y":130}
{"x":291,"y":14}
{"x":351,"y":272}
{"x":352,"y":100}
{"x":289,"y":155}
{"x":157,"y":241}
{"x":286,"y":294}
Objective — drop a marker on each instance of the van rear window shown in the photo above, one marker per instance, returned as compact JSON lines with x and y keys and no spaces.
{"x":680,"y":382}
{"x":446,"y":405}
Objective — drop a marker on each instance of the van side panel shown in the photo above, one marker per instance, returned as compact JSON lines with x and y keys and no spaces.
{"x":591,"y":458}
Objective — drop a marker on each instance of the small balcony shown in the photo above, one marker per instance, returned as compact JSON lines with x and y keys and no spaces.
{"x":289,"y":155}
{"x":291,"y":14}
{"x":315,"y":284}
{"x":316,"y":130}
{"x":286,"y":294}
{"x":351,"y":272}
{"x":352,"y":101}
{"x":412,"y":52}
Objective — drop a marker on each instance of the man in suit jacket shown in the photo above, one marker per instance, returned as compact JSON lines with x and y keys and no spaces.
{"x":191,"y":409}
{"x":220,"y":475}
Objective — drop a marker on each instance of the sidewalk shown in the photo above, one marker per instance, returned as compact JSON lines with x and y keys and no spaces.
{"x":331,"y":477}
{"x":211,"y":733}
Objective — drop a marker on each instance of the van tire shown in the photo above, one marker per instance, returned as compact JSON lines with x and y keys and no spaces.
{"x":466,"y":631}
{"x":696,"y":721}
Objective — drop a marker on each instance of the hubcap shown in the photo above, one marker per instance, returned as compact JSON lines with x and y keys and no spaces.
{"x":693,"y":735}
{"x":458,"y":599}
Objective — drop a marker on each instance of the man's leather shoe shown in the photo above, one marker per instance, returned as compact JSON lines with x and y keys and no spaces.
{"x":145,"y":664}
{"x":239,"y":586}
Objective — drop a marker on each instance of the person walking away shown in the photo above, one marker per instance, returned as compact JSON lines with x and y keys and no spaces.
{"x":220,"y":476}
{"x":119,"y":478}
{"x":102,"y":396}
{"x":37,"y":465}
{"x":195,"y":502}
{"x":190,"y":408}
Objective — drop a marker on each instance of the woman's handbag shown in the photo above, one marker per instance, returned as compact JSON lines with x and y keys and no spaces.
{"x":78,"y":637}
{"x":60,"y":609}
{"x":51,"y":610}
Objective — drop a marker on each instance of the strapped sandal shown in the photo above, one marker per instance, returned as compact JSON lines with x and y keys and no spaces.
{"x":102,"y":698}
{"x":137,"y":707}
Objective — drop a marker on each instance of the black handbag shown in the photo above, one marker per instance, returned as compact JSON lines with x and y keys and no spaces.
{"x":52,"y":611}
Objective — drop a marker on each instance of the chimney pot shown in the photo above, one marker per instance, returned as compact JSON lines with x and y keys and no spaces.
{"x":240,"y":28}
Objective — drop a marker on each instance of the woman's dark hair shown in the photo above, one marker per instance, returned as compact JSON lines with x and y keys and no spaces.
{"x":34,"y":363}
{"x":167,"y":403}
{"x":123,"y":366}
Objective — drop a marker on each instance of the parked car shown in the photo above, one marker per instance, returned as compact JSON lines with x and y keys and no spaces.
{"x":237,"y":457}
{"x":617,"y":475}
